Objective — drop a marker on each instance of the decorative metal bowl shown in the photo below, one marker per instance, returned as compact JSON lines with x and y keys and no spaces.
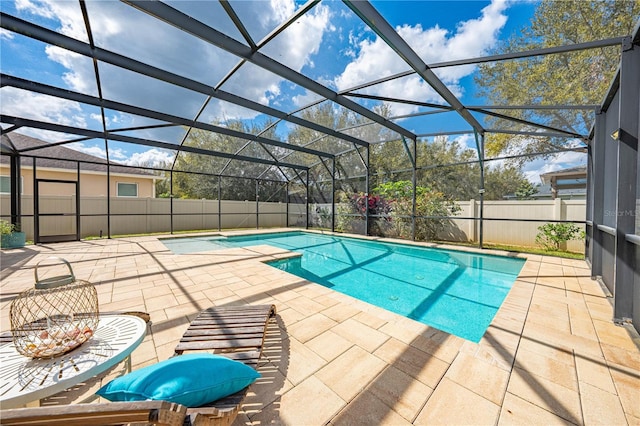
{"x":56,"y":316}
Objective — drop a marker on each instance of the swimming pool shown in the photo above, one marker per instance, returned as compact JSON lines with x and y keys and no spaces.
{"x":457,"y":292}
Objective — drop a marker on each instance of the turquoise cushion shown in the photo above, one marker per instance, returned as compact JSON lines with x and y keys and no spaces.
{"x":191,"y":380}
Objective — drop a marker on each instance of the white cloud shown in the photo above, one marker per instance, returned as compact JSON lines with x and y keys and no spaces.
{"x":308,"y":97}
{"x":475,"y":36}
{"x":115,"y":154}
{"x":466,"y":141}
{"x":294,"y":48}
{"x":6,"y":34}
{"x":45,"y":135}
{"x":535,"y":168}
{"x":96,"y":151}
{"x":80,"y":68}
{"x":67,"y":13}
{"x":118,"y":154}
{"x":24,"y":104}
{"x":152,"y":157}
{"x":375,"y":59}
{"x":305,"y":99}
{"x":36,"y":8}
{"x":114,"y":118}
{"x":120,"y":28}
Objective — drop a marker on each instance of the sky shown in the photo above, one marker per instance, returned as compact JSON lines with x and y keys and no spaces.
{"x":329,"y":44}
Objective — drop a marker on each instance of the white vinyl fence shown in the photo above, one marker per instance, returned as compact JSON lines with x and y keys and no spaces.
{"x":150,"y":215}
{"x":520,"y":233}
{"x":507,"y":231}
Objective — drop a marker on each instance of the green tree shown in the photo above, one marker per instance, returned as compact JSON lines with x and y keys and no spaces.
{"x":526,"y":190}
{"x":429,"y":202}
{"x":204,"y":183}
{"x":163,"y":185}
{"x":502,"y":181}
{"x":347,"y":165}
{"x":447,"y":167}
{"x":462,"y":181}
{"x":580,"y":77}
{"x":350,"y":167}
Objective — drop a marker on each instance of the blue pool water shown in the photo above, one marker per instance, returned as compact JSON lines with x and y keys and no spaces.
{"x":453,"y":291}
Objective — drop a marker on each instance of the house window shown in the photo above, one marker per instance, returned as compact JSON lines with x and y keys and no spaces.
{"x":5,"y":185}
{"x":127,"y":189}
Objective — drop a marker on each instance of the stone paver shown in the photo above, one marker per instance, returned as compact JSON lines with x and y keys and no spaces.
{"x":351,"y":372}
{"x":301,"y":362}
{"x":600,"y":407}
{"x":518,"y":412}
{"x":329,"y":345}
{"x":485,"y":379}
{"x":418,"y":364}
{"x":452,"y":404}
{"x":315,"y":404}
{"x":366,"y":337}
{"x":557,"y":372}
{"x":546,"y":394}
{"x":367,"y":409}
{"x":401,"y":392}
{"x":595,"y":372}
{"x":628,"y":387}
{"x":551,"y":356}
{"x":310,"y":327}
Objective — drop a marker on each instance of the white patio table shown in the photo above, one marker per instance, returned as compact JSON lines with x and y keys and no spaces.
{"x":24,"y":380}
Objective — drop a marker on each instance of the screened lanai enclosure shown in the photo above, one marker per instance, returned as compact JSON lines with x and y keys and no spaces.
{"x":160,"y":117}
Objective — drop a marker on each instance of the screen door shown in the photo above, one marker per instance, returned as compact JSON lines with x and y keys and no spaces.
{"x":57,"y":209}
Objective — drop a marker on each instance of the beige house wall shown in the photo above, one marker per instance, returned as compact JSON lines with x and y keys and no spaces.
{"x":92,"y":183}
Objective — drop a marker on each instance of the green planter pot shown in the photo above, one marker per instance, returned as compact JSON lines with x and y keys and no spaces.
{"x":13,"y":240}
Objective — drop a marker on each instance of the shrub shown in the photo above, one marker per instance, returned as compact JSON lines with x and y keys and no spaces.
{"x":343,"y":220}
{"x":373,"y":204}
{"x":6,"y":227}
{"x":322,"y":217}
{"x":376,"y":207}
{"x":552,"y":235}
{"x":428,"y":203}
{"x":352,"y":210}
{"x":391,"y":209}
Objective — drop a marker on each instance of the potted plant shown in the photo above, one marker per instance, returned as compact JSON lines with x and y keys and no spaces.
{"x":10,"y":235}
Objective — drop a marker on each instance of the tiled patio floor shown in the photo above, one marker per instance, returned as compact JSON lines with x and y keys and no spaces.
{"x":551,"y":356}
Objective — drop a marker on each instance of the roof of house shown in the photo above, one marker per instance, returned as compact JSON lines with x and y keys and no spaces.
{"x":61,"y":157}
{"x":545,"y":191}
{"x":573,"y":172}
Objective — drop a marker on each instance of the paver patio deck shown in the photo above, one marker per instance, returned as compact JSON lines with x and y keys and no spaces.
{"x":551,"y":355}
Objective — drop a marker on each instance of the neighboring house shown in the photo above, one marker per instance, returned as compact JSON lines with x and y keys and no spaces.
{"x":566,"y":183}
{"x":61,"y":164}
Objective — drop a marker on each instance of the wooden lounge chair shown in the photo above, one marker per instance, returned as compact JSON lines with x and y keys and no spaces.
{"x":156,"y":413}
{"x":235,"y":332}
